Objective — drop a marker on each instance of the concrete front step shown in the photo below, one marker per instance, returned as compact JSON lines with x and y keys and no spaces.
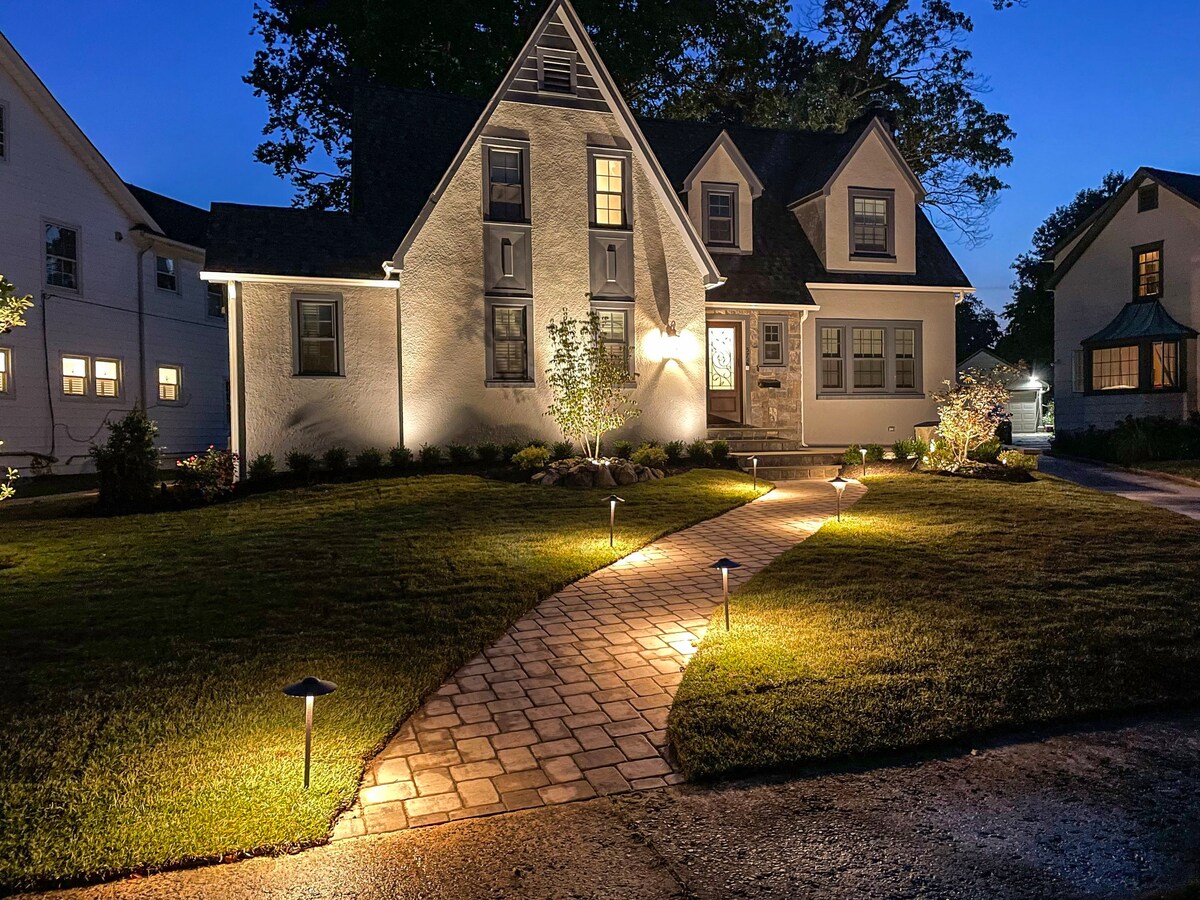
{"x":789,"y":458}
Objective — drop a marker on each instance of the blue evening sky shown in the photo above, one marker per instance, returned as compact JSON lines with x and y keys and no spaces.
{"x":1089,"y":86}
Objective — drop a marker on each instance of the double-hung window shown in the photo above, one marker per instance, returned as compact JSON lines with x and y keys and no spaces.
{"x":832,"y":361}
{"x":75,"y":376}
{"x":318,"y":326}
{"x":869,"y":358}
{"x":107,"y":380}
{"x":720,"y":215}
{"x":871,"y":222}
{"x":509,"y":331}
{"x":1148,"y":271}
{"x":905,"y":350}
{"x":613,"y":335}
{"x":165,"y":276}
{"x":5,"y":370}
{"x":609,"y":191}
{"x":62,"y":256}
{"x":869,"y":363}
{"x":506,"y":184}
{"x":170,"y":380}
{"x":772,"y":342}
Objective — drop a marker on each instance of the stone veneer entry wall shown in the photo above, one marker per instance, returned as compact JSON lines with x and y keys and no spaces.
{"x":769,"y":407}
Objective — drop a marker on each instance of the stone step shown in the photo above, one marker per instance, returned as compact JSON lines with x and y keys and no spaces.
{"x":744,"y":432}
{"x":794,"y":473}
{"x":761,"y":446}
{"x":789,"y":458}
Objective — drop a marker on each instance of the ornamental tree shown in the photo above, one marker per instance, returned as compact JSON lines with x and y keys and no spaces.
{"x":589,"y":382}
{"x":12,"y":315}
{"x":969,"y":412}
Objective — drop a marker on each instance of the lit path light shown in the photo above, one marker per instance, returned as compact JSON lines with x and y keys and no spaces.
{"x":839,"y":485}
{"x":725,"y":564}
{"x":308,"y":688}
{"x":754,"y":462}
{"x":863,"y":451}
{"x":612,"y":500}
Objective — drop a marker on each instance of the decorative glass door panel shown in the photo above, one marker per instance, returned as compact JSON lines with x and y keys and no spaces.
{"x":721,"y":353}
{"x":724,"y":356}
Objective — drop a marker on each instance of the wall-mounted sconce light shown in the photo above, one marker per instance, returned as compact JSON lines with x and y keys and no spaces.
{"x":670,"y":342}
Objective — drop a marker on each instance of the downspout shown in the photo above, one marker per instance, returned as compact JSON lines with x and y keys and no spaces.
{"x":803,"y":375}
{"x":141,"y":307}
{"x":389,"y":271}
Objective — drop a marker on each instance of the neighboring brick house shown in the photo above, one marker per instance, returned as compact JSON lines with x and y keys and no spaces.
{"x":120,"y":311}
{"x":752,"y":277}
{"x":1126,"y":305}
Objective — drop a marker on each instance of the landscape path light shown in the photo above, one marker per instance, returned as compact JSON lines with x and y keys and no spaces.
{"x":754,"y":462}
{"x":863,"y":451}
{"x":725,"y":564}
{"x":839,"y":485}
{"x":308,"y":688}
{"x":612,"y":501}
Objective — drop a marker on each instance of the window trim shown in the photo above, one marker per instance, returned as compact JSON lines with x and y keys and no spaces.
{"x":707,"y":188}
{"x":174,"y":260}
{"x":626,"y":306}
{"x":782,"y":322}
{"x":299,"y":298}
{"x":1145,"y":348}
{"x":1144,"y":192}
{"x":889,"y":389}
{"x":221,"y":288}
{"x":45,"y":255}
{"x":95,"y":379}
{"x":626,"y":156}
{"x":887,"y":194}
{"x":519,"y":145}
{"x":5,"y":132}
{"x":158,"y":383}
{"x":489,"y":304}
{"x":87,"y":377}
{"x":6,"y":377}
{"x":573,"y":56}
{"x":1162,"y":271}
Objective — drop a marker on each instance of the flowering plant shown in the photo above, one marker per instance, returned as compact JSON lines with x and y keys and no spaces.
{"x":969,"y":412}
{"x":209,"y":474}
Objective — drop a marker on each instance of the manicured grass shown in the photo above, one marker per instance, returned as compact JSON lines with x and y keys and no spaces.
{"x":941,"y":608}
{"x":1187,"y":468}
{"x":142,"y":657}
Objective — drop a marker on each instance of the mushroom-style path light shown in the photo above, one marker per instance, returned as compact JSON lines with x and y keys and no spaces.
{"x":754,"y":462}
{"x":612,"y":500}
{"x":839,"y":485}
{"x":863,"y":451}
{"x":308,"y":688}
{"x":725,"y":564}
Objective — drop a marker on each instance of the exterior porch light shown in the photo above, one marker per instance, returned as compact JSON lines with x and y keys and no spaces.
{"x":612,"y":501}
{"x":670,"y":341}
{"x":863,"y":451}
{"x":839,"y":485}
{"x":308,"y":688}
{"x":754,"y":463}
{"x":725,"y":564}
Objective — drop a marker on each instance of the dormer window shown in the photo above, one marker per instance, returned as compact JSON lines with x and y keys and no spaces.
{"x":556,"y":71}
{"x":872,"y":225}
{"x":720,"y":215}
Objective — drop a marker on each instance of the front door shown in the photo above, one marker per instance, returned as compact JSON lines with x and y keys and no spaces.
{"x":725,"y":371}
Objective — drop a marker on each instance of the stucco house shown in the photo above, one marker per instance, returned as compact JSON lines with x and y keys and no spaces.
{"x":1026,"y":392}
{"x":781,"y":281}
{"x":1126,"y":305}
{"x":120,"y":312}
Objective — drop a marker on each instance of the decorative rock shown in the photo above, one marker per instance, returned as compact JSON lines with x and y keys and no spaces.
{"x":659,"y":473}
{"x":624,"y":474}
{"x":643,"y":475}
{"x":586,"y":473}
{"x":604,"y":477}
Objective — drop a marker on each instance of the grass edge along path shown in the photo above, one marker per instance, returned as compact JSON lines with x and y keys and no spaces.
{"x":144,"y":726}
{"x":943,"y":608}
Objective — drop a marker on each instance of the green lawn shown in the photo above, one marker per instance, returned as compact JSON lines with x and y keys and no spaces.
{"x":142,"y":657}
{"x":940,"y":608}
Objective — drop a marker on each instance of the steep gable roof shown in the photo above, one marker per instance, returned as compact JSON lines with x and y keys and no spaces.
{"x":179,"y":221}
{"x":725,"y":142}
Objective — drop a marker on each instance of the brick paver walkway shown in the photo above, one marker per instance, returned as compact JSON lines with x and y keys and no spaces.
{"x":572,"y":701}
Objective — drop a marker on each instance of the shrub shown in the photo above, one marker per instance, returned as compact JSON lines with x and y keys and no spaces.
{"x":650,"y":456}
{"x":1134,"y":441}
{"x":622,"y":449}
{"x":674,"y":451}
{"x":852,"y":456}
{"x":699,"y":453}
{"x":400,"y":457}
{"x":262,"y":467}
{"x":488,"y":453}
{"x":874,"y":453}
{"x":369,"y":460}
{"x":336,"y":460}
{"x":127,"y":463}
{"x":460,"y":454}
{"x":719,"y":451}
{"x":511,"y":449}
{"x":208,"y":475}
{"x":1015,"y":459}
{"x":562,"y":450}
{"x":431,"y":456}
{"x":531,"y":458}
{"x":988,"y":451}
{"x":969,"y":412}
{"x":300,"y":463}
{"x":912,"y":448}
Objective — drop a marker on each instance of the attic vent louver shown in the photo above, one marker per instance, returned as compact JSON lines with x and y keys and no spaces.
{"x":557,"y":72}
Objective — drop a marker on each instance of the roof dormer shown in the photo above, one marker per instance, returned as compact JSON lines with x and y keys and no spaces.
{"x":721,"y":191}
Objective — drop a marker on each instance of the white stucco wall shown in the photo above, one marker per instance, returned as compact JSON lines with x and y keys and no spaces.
{"x":1100,"y":283}
{"x":442,"y":299}
{"x":831,"y":420}
{"x":285,"y":411}
{"x":43,"y":179}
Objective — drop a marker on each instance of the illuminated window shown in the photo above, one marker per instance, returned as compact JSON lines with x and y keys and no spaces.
{"x":720,"y":205}
{"x":506,"y":185}
{"x":871,"y":222}
{"x":1115,"y":368}
{"x":609,"y":189}
{"x":164,"y":273}
{"x":169,"y":382}
{"x":510,"y":343}
{"x":107,"y":379}
{"x":5,"y":370}
{"x":831,"y":359}
{"x":216,"y":300}
{"x":869,"y":366}
{"x":62,"y":256}
{"x":1165,"y":355}
{"x":318,"y":330}
{"x":75,"y":376}
{"x":1148,"y":271}
{"x":614,"y":335}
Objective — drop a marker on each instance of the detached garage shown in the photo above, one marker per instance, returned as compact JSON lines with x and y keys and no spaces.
{"x":1027,"y":392}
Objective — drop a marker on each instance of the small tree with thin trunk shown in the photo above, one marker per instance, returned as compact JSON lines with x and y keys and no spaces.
{"x":970,"y":410}
{"x":589,"y":382}
{"x":12,"y":315}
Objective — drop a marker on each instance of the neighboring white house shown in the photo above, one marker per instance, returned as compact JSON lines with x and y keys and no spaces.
{"x":120,"y":311}
{"x":752,"y":277}
{"x":1126,"y":305}
{"x":1026,"y":392}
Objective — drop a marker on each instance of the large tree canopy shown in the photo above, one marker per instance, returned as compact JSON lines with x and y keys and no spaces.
{"x":975,"y":327}
{"x":1029,"y":335}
